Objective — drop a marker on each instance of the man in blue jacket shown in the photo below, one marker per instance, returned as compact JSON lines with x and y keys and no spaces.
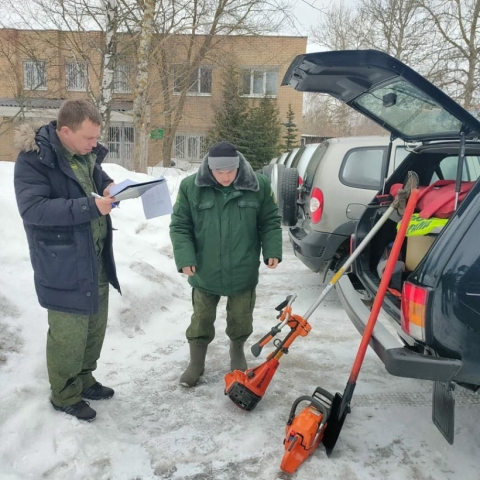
{"x":69,"y":234}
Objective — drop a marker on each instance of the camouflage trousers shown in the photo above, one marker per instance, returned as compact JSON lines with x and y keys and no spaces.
{"x":201,"y":330}
{"x":74,"y":343}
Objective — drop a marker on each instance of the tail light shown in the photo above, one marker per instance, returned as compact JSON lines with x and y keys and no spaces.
{"x":316,"y":205}
{"x":414,"y":306}
{"x":300,"y":181}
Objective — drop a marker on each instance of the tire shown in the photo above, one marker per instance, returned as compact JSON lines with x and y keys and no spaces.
{"x":288,"y":206}
{"x":267,"y":171}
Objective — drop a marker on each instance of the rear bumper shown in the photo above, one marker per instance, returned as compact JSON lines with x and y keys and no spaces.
{"x":398,"y":359}
{"x":315,"y":249}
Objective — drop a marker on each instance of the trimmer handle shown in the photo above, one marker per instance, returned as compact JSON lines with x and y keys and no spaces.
{"x":287,"y":301}
{"x":257,"y":348}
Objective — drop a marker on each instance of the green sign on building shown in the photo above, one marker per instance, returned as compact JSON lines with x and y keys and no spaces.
{"x":157,"y":134}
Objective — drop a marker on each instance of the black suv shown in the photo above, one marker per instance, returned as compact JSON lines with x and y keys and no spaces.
{"x":436,"y":307}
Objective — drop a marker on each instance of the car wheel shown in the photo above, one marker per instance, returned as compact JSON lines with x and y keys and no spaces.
{"x":288,"y":194}
{"x":267,"y":171}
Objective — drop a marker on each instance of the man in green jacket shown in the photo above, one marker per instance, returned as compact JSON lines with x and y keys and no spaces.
{"x":225,"y":216}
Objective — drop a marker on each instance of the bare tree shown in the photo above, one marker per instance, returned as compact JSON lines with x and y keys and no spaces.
{"x":88,"y":34}
{"x":401,"y":28}
{"x":340,"y":28}
{"x":140,"y":105}
{"x":101,"y":33}
{"x":398,"y":28}
{"x":456,"y":21}
{"x":106,"y":91}
{"x":207,"y":25}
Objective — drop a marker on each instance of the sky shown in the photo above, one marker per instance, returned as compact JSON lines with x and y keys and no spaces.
{"x":306,"y":16}
{"x":153,"y":428}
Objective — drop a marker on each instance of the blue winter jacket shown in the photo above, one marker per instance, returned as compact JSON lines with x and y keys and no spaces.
{"x":56,"y":215}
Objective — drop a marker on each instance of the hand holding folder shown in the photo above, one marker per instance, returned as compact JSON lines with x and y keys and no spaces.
{"x":130,"y":189}
{"x":154,"y":194}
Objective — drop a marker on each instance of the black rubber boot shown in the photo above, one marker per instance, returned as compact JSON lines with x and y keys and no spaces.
{"x":237,"y":356}
{"x":196,"y":366}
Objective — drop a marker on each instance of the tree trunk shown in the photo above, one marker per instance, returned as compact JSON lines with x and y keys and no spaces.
{"x":106,"y":92}
{"x":140,"y":107}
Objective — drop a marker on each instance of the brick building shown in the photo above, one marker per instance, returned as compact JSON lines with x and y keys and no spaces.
{"x":39,"y":69}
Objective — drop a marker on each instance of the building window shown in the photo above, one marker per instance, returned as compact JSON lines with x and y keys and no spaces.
{"x":191,"y":148}
{"x":198,"y":82}
{"x":121,"y":78}
{"x":34,"y":75}
{"x":121,"y":140}
{"x":76,"y":74}
{"x":259,"y":82}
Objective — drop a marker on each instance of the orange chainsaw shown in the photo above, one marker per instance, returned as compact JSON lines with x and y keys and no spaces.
{"x":304,"y":431}
{"x":246,"y":389}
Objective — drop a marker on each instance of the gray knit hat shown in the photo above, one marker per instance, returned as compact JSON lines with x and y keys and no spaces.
{"x":223,"y":156}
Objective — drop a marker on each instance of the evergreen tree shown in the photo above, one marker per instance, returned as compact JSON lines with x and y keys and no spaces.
{"x":264,"y":130}
{"x":254,"y":130}
{"x":230,"y":115}
{"x":290,"y":137}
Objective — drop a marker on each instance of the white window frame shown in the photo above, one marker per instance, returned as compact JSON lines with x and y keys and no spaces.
{"x":76,"y":76}
{"x":34,"y":75}
{"x":121,"y":78}
{"x":189,"y":147}
{"x":120,"y":143}
{"x":254,"y":74}
{"x":195,"y":88}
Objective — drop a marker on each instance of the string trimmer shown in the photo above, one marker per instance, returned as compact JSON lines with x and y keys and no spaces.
{"x":246,"y":389}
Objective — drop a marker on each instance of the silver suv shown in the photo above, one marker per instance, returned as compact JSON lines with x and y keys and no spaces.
{"x":323,"y":207}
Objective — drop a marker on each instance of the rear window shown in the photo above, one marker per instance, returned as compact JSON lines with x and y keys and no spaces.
{"x":294,"y":155}
{"x":447,"y":169}
{"x":312,"y":166}
{"x":408,"y":110}
{"x":400,"y":154}
{"x":363,"y":167}
{"x":282,"y":158}
{"x":305,"y":158}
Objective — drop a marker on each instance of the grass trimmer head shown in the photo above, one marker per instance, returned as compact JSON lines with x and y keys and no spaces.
{"x":246,"y":389}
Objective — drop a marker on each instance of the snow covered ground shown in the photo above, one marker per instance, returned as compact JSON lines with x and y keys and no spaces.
{"x":155,"y":429}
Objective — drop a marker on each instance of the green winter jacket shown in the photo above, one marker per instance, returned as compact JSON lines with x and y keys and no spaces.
{"x":223,"y":234}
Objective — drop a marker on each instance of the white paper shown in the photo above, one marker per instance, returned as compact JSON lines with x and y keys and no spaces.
{"x":130,"y":189}
{"x":157,"y":201}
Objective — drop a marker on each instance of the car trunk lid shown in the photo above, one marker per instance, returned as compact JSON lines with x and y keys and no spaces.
{"x":385,"y":90}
